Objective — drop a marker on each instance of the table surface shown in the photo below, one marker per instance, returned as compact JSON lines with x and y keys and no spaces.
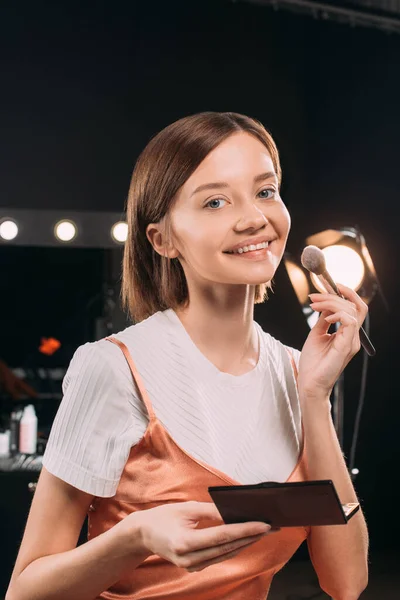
{"x":21,"y":462}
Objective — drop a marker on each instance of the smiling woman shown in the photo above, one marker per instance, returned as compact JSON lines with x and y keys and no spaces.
{"x":172,"y":186}
{"x":194,"y":395}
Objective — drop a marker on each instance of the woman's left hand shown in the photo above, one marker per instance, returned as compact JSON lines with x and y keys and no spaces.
{"x":324,"y":356}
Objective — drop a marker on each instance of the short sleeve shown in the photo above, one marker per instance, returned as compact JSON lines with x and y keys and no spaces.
{"x":94,"y":428}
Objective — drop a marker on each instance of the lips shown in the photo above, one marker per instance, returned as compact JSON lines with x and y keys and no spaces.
{"x":251,"y":248}
{"x":249,"y":242}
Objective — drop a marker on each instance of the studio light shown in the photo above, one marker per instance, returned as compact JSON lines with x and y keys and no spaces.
{"x":349,"y":262}
{"x":65,"y":230}
{"x":70,"y":228}
{"x":8,"y":229}
{"x":347,"y":259}
{"x":344,"y":265}
{"x":119,"y":232}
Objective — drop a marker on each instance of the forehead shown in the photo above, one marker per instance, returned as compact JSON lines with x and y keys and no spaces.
{"x":238,"y":157}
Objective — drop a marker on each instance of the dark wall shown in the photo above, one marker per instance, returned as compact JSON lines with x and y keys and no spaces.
{"x":85,"y":87}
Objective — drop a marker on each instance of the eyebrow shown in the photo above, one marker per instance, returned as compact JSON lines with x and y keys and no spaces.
{"x":222,"y":184}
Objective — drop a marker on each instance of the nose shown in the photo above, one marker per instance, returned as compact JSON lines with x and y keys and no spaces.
{"x":251,"y":218}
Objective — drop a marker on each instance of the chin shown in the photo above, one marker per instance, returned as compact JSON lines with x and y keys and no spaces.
{"x":267,"y":278}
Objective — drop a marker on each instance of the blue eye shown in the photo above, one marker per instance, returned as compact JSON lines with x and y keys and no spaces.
{"x":271,"y":191}
{"x":214,"y":200}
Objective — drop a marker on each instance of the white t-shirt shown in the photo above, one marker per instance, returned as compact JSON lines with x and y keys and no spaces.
{"x":247,"y":426}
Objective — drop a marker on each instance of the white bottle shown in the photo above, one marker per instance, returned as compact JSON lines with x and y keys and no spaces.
{"x":28,"y":431}
{"x":5,"y":443}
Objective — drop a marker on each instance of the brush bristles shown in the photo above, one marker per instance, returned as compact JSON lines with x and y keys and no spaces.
{"x":313,"y":260}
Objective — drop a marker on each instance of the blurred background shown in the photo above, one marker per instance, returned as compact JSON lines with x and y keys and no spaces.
{"x":85,"y":85}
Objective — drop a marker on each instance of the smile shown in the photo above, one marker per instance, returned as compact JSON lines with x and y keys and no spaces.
{"x":251,"y":248}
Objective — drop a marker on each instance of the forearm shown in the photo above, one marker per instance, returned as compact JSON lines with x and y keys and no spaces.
{"x":340,"y":552}
{"x":84,"y":572}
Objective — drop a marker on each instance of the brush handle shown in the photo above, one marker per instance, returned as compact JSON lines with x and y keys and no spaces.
{"x":332,"y":288}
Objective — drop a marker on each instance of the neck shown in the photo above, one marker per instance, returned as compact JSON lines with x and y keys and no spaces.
{"x":221,"y":326}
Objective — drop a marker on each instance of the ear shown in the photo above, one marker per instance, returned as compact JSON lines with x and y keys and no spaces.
{"x":157,"y":238}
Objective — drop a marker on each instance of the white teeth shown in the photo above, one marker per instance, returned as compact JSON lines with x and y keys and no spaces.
{"x":250,"y":248}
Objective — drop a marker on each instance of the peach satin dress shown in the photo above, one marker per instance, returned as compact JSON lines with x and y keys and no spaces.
{"x":157,"y":472}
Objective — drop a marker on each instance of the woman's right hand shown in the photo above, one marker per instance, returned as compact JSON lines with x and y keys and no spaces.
{"x":170,"y":532}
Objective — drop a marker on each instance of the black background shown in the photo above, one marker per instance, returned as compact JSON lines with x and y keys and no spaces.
{"x":85,"y":85}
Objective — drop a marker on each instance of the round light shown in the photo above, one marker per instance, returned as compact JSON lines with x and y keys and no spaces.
{"x":65,"y":231}
{"x":8,"y":229}
{"x":119,"y":231}
{"x":344,"y":265}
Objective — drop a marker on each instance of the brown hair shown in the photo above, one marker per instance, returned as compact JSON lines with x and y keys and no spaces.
{"x":151,"y":282}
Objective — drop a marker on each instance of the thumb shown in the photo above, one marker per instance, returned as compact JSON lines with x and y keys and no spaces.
{"x":321,"y":326}
{"x":203,"y":510}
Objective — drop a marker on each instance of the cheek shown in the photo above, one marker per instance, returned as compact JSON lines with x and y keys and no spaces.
{"x":192,"y":236}
{"x":283,"y":221}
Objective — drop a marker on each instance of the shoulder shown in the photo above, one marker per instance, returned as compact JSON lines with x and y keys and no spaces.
{"x":146,"y":331}
{"x":274,"y":345}
{"x":94,"y":360}
{"x":104,"y":358}
{"x":152,"y":343}
{"x":278,"y":351}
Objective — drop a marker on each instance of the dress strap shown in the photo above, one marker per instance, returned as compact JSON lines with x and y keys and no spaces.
{"x":135,"y":376}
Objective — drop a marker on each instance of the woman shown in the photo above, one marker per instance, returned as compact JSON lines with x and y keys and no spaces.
{"x":194,"y":394}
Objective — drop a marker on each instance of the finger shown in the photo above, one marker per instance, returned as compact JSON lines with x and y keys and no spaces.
{"x":335,"y":304}
{"x":348,"y":296}
{"x":346,"y":337}
{"x":318,"y":297}
{"x":208,"y":510}
{"x":348,"y":292}
{"x":343,"y":317}
{"x":351,"y":295}
{"x":220,"y":535}
{"x":321,"y":326}
{"x":201,"y":510}
{"x":218,"y":559}
{"x":218,"y":553}
{"x":207,"y":563}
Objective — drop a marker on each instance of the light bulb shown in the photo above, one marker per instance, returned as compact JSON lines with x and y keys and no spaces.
{"x":344,"y":266}
{"x":65,"y":231}
{"x":8,"y":230}
{"x":119,"y":231}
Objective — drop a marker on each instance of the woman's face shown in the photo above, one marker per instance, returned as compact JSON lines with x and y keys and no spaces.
{"x":231,"y":201}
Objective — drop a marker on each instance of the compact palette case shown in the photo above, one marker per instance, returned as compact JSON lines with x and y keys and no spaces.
{"x":297,"y":504}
